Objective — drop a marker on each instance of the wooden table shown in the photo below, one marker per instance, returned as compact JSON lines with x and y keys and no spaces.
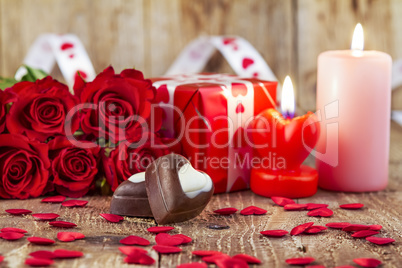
{"x":330,"y":248}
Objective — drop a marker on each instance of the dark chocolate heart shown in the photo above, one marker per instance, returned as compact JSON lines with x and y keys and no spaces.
{"x":168,"y":201}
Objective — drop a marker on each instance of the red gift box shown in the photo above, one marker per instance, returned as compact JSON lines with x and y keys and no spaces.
{"x":209,"y":115}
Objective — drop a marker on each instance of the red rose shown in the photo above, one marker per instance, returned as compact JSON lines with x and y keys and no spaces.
{"x":126,"y":160}
{"x":120,"y":105}
{"x":5,"y":98}
{"x":73,"y":169}
{"x":24,"y":167}
{"x":41,"y":109}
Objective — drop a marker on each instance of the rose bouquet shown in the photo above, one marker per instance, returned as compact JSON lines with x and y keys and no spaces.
{"x":54,"y":141}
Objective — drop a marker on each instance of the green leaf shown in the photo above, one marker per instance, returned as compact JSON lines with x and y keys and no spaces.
{"x":6,"y":82}
{"x":33,"y":74}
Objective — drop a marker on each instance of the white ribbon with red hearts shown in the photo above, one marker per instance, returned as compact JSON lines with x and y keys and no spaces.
{"x":67,"y":50}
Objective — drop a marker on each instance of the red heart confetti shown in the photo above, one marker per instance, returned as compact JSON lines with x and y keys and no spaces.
{"x":127,"y":250}
{"x":134,"y":240}
{"x":168,"y":240}
{"x":356,"y":227}
{"x":282,"y":201}
{"x":317,"y":266}
{"x":274,"y":233}
{"x":364,"y":233}
{"x":247,"y":62}
{"x":18,"y":211}
{"x":74,"y":203}
{"x":301,"y":228}
{"x":36,"y":262}
{"x":42,"y":254}
{"x":66,"y":46}
{"x":295,"y":207}
{"x":338,"y":225}
{"x":46,"y":216}
{"x":311,"y":206}
{"x":231,"y":262}
{"x":226,"y":211}
{"x":375,"y":227}
{"x":193,"y":265}
{"x":367,"y":262}
{"x":62,"y":224}
{"x":300,"y":261}
{"x":352,"y":206}
{"x":166,"y":249}
{"x":315,"y":229}
{"x":159,"y":229}
{"x":320,"y":212}
{"x":112,"y":217}
{"x":247,"y":258}
{"x":253,"y":210}
{"x":240,"y":108}
{"x":54,"y":199}
{"x":186,"y":239}
{"x":203,"y":253}
{"x":215,"y":258}
{"x":11,"y":236}
{"x":12,"y":229}
{"x":40,"y":240}
{"x":69,"y":236}
{"x":380,"y":240}
{"x":67,"y":254}
{"x":139,"y":258}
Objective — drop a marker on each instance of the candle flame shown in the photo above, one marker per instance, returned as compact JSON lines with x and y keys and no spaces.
{"x":358,"y":38}
{"x":288,"y":99}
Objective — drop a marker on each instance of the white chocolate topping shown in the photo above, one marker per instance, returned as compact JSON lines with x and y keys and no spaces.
{"x":193,"y":182}
{"x":138,"y":177}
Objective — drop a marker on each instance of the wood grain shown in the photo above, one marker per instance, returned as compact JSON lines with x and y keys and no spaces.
{"x":331,"y":248}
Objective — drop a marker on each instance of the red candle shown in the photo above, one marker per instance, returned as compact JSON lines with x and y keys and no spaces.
{"x":288,"y":140}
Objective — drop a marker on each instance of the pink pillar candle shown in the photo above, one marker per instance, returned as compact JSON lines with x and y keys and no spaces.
{"x":354,"y":100}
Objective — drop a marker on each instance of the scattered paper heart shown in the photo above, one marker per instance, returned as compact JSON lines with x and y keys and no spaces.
{"x":18,"y":211}
{"x":40,"y":240}
{"x":134,"y":240}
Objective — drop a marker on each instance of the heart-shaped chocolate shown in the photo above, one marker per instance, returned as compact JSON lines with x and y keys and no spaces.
{"x":176,"y":191}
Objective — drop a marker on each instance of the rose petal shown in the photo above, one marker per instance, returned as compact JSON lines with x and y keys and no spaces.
{"x":226,"y":211}
{"x":168,"y":240}
{"x":69,"y":236}
{"x":40,"y":240}
{"x":352,"y":206}
{"x":320,"y":212}
{"x":11,"y":236}
{"x":127,"y":250}
{"x":193,"y":265}
{"x":46,"y":216}
{"x":375,"y":227}
{"x":300,"y":261}
{"x":367,"y":262}
{"x":203,"y":253}
{"x":247,"y":258}
{"x":112,"y":217}
{"x":140,"y":258}
{"x":301,"y":228}
{"x":186,"y":239}
{"x":274,"y":233}
{"x":380,"y":240}
{"x":134,"y":240}
{"x":42,"y":254}
{"x":356,"y":227}
{"x":364,"y":233}
{"x":295,"y":207}
{"x":63,"y":224}
{"x":338,"y":225}
{"x":67,"y":254}
{"x":166,"y":249}
{"x":54,"y":199}
{"x":215,"y":258}
{"x":315,"y":229}
{"x":159,"y":229}
{"x":231,"y":262}
{"x":282,"y":201}
{"x":311,"y":206}
{"x":253,"y":210}
{"x":12,"y":229}
{"x":36,"y":262}
{"x":18,"y":212}
{"x":74,"y":203}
